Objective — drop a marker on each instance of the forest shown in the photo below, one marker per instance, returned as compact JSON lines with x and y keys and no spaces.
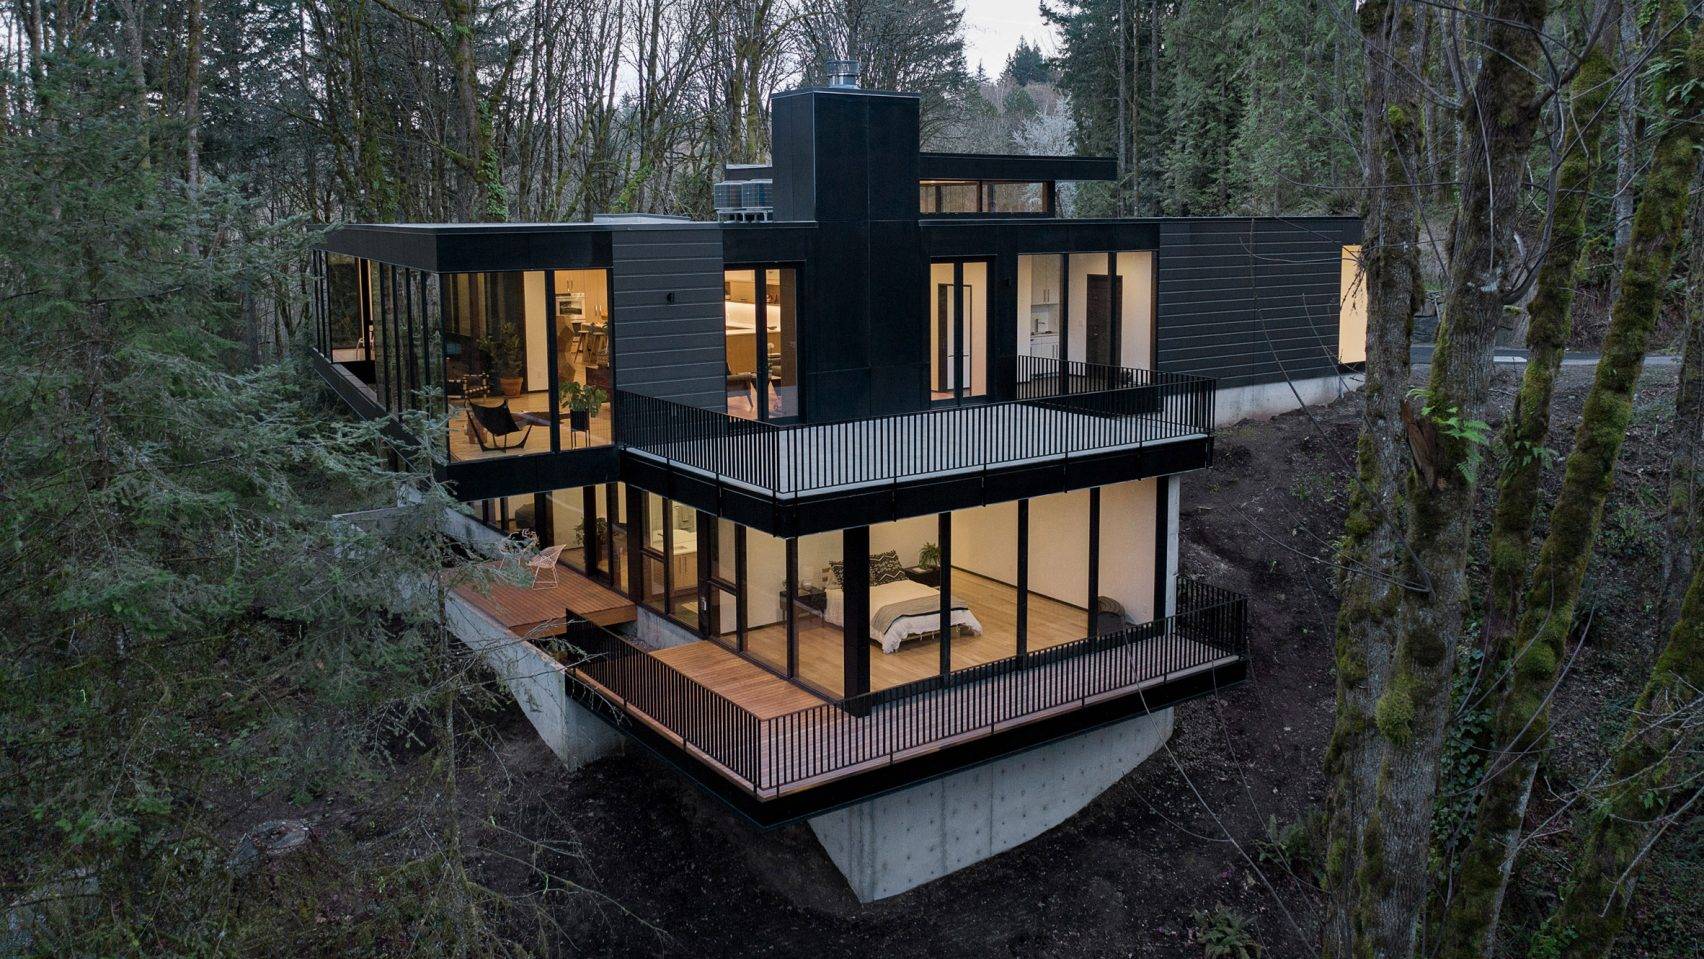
{"x":193,"y":647}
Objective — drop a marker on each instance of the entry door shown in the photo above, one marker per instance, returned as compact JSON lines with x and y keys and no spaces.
{"x":1100,"y":345}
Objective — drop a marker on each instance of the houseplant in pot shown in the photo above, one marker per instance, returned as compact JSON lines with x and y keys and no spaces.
{"x":582,"y":403}
{"x":504,"y":348}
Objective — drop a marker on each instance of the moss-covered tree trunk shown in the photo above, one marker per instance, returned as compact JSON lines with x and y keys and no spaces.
{"x":1445,"y":436}
{"x":1519,"y":728}
{"x":1650,"y":763}
{"x":1549,"y":322}
{"x":1390,"y":272}
{"x":1685,"y":520}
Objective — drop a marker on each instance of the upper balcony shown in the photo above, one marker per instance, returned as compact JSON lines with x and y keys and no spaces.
{"x":1069,"y":425}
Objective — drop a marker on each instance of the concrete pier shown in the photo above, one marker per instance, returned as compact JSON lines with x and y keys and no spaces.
{"x":889,"y":844}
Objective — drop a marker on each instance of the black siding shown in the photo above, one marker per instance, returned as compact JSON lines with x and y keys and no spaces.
{"x":666,"y":313}
{"x":1250,"y":301}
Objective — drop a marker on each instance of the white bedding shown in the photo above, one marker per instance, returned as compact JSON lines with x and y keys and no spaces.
{"x":904,"y":627}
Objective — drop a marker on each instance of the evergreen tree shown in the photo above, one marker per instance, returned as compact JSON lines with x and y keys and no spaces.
{"x":1025,"y":65}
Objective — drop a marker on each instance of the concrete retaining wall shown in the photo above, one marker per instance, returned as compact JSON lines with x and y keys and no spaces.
{"x":886,"y":845}
{"x":538,"y":683}
{"x":1266,"y":400}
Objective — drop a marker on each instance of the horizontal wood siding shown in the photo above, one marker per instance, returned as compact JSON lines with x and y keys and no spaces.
{"x":1250,"y":301}
{"x":673,"y":350}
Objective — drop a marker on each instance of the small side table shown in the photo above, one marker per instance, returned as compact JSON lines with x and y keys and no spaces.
{"x":927,"y":575}
{"x":810,"y":597}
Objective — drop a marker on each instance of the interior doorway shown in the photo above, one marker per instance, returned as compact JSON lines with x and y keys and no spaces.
{"x":1101,"y":326}
{"x":958,"y":329}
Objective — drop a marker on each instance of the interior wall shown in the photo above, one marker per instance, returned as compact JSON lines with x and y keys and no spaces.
{"x":1136,"y":332}
{"x":1129,"y":512}
{"x":538,"y":346}
{"x":1077,"y":275}
{"x":905,"y":537}
{"x":1352,"y":308}
{"x":985,"y":542}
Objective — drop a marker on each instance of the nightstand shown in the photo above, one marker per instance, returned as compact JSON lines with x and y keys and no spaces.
{"x":810,"y":597}
{"x":927,"y":575}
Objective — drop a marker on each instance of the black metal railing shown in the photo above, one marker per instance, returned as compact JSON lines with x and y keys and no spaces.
{"x":770,"y":755}
{"x":868,"y":729}
{"x":702,"y":718}
{"x":1144,"y":407}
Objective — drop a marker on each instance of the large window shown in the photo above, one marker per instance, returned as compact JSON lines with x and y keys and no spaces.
{"x":343,"y":308}
{"x":998,"y":197}
{"x":760,"y":309}
{"x":526,"y":361}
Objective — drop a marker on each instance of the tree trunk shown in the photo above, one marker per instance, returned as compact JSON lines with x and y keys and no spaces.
{"x":1390,"y":271}
{"x":1685,"y":519}
{"x":1520,"y":727}
{"x":192,"y":101}
{"x":1446,"y":446}
{"x":1651,"y":760}
{"x":1549,"y":323}
{"x":1626,"y":140}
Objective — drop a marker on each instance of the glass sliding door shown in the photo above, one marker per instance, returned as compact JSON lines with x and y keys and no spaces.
{"x":760,"y":310}
{"x":958,"y":329}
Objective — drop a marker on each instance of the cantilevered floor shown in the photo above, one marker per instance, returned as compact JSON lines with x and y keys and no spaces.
{"x":542,"y":606}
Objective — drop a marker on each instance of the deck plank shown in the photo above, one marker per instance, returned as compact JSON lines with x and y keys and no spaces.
{"x":542,"y":606}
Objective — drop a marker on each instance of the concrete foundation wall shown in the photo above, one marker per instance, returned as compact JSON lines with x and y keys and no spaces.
{"x":1266,"y":400}
{"x":886,"y":845}
{"x":660,"y":632}
{"x":538,"y":683}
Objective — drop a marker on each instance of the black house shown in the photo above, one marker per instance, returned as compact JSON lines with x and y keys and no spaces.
{"x":875,"y":479}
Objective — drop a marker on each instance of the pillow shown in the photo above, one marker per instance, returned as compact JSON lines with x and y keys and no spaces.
{"x":886,"y":568}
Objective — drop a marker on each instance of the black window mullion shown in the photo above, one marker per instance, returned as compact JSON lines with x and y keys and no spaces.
{"x":1094,"y":558}
{"x":552,"y":386}
{"x":589,"y":517}
{"x":668,"y":556}
{"x":944,"y":525}
{"x":1065,"y":324}
{"x":790,"y":613}
{"x":706,"y":550}
{"x":1023,"y":579}
{"x":740,"y":587}
{"x":762,"y":324}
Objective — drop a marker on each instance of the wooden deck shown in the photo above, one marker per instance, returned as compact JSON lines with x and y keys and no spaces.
{"x":751,"y":687}
{"x":802,"y":741}
{"x":541,"y":607}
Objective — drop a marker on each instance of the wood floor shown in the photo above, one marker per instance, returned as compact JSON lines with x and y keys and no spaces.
{"x":755,"y":689}
{"x":821,"y":649}
{"x":464,"y":447}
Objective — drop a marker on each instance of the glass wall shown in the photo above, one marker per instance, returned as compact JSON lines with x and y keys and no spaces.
{"x":343,"y":308}
{"x":958,"y":329}
{"x":766,"y":595}
{"x":949,"y":196}
{"x":509,"y":339}
{"x":818,"y":612}
{"x":1090,"y":308}
{"x":996,"y":197}
{"x":760,"y":309}
{"x":585,"y":378}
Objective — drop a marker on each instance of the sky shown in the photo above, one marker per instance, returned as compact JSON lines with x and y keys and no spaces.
{"x":992,"y":29}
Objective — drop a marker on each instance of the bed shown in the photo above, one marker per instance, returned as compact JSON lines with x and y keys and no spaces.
{"x":902,"y":610}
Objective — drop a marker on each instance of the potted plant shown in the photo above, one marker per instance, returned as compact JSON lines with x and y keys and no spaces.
{"x":582,"y":402}
{"x":504,"y":348}
{"x":929,"y":557}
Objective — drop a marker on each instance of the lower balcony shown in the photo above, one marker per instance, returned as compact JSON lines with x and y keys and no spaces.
{"x":778,"y":751}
